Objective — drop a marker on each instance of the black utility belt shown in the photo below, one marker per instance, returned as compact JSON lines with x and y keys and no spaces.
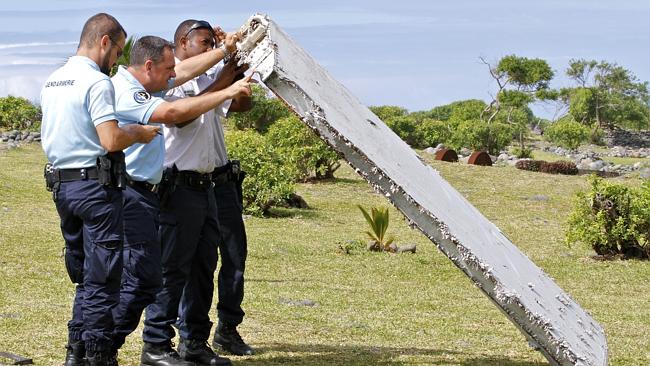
{"x":143,"y":185}
{"x":71,"y":175}
{"x":227,"y":173}
{"x":193,"y":179}
{"x":110,"y":171}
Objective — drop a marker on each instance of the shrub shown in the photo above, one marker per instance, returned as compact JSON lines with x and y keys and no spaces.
{"x":525,"y":153}
{"x":612,"y":219}
{"x":405,"y":127}
{"x":17,"y":113}
{"x":269,"y":178}
{"x":480,"y":135}
{"x":306,"y":153}
{"x":567,"y":133}
{"x":431,"y":133}
{"x":385,"y":112}
{"x":265,"y":111}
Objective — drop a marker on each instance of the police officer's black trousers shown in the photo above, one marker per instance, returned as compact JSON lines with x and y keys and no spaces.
{"x":189,"y":233}
{"x":91,"y":223}
{"x":233,"y":251}
{"x":142,"y":273}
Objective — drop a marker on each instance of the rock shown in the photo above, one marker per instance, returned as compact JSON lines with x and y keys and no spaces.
{"x":637,"y":166}
{"x":503,"y":157}
{"x":4,"y":138}
{"x":392,"y":248}
{"x":407,"y":248}
{"x":597,"y":165}
{"x":29,"y":138}
{"x":37,"y":135}
{"x":440,"y":146}
{"x":465,"y":151}
{"x":431,"y":150}
{"x":645,"y":173}
{"x":513,"y":162}
{"x":305,"y":302}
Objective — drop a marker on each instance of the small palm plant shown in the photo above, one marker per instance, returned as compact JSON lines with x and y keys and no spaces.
{"x":378,"y":220}
{"x":125,"y":59}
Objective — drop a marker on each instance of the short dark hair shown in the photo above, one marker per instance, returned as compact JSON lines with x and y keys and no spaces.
{"x":181,"y":30}
{"x":149,"y":48}
{"x":99,"y":25}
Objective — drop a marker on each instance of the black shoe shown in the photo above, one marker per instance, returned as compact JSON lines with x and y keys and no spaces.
{"x":161,"y":355}
{"x":227,"y":338}
{"x":104,"y":358}
{"x":200,"y":353}
{"x":75,"y":354}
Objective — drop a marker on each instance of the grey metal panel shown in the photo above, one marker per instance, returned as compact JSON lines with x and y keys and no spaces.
{"x":553,"y":322}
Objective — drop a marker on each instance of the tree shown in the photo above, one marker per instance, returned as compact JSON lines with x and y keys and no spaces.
{"x":520,"y":81}
{"x":606,"y":95}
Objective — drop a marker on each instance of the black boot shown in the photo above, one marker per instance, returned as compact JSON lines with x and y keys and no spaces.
{"x":76,"y":351}
{"x":200,"y":353}
{"x":161,"y":355}
{"x":101,"y":358}
{"x":227,"y":338}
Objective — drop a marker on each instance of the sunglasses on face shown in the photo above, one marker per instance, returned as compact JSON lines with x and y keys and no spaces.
{"x":199,"y":25}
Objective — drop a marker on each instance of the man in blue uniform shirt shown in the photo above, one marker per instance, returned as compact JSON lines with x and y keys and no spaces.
{"x":79,"y":127}
{"x":199,"y":149}
{"x":138,"y":89}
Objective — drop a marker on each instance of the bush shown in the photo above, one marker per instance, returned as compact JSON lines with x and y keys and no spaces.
{"x":612,"y":219}
{"x":264,"y":113}
{"x":431,"y":133}
{"x":306,"y":153}
{"x":385,"y":112}
{"x":525,"y":153}
{"x":17,"y":113}
{"x":269,"y":178}
{"x":480,"y":135}
{"x":405,"y":127}
{"x":555,"y":167}
{"x":567,"y":133}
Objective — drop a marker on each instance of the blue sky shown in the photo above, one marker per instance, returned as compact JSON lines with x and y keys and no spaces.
{"x":416,"y":54}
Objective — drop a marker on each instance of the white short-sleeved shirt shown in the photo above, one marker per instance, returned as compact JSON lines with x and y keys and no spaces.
{"x":200,"y":145}
{"x":75,"y":99}
{"x":144,"y":162}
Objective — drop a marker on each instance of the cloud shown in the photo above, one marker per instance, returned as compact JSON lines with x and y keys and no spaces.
{"x":34,"y":44}
{"x":24,"y":86}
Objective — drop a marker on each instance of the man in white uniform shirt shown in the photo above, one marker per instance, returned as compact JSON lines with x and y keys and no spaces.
{"x":193,"y":218}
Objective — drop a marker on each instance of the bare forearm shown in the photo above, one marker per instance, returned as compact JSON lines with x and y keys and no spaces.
{"x":121,"y":139}
{"x":194,"y":66}
{"x":183,"y":110}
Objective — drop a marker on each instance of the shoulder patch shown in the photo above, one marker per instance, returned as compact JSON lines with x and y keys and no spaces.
{"x":141,"y":97}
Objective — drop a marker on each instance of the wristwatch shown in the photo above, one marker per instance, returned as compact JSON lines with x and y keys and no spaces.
{"x":226,"y":54}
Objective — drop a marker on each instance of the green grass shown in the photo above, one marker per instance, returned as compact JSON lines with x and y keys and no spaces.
{"x":372,"y":308}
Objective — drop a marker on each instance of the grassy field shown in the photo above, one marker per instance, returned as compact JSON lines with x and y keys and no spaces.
{"x":369,"y":308}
